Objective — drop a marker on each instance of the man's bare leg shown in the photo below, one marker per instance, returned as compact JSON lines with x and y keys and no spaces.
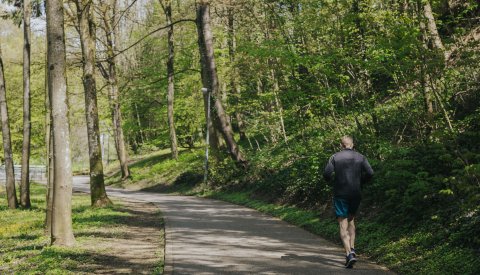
{"x":351,"y":231}
{"x":344,"y":235}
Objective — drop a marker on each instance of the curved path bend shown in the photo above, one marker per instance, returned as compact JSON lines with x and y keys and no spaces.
{"x":206,"y":236}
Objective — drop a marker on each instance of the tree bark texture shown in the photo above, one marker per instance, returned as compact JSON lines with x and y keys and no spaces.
{"x":50,"y":174}
{"x":114,"y":94}
{"x":210,"y":80}
{"x":171,"y":84}
{"x":48,"y":156}
{"x":214,"y":139}
{"x":425,"y":79}
{"x":25,"y":176}
{"x":432,"y":27}
{"x":86,"y":24}
{"x":62,"y":233}
{"x":7,"y":144}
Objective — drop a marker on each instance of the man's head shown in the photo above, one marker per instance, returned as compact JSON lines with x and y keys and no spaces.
{"x":347,"y":142}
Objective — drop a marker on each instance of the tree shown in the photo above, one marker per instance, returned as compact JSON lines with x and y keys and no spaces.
{"x":210,"y":80}
{"x":108,"y":16}
{"x":48,"y":154}
{"x":167,"y":9}
{"x":25,"y":176}
{"x":61,"y":227}
{"x":233,"y":75}
{"x":87,"y":39}
{"x":7,"y":144}
{"x":50,"y":168}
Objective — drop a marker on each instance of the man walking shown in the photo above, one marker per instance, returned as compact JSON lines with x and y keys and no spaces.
{"x":350,"y":170}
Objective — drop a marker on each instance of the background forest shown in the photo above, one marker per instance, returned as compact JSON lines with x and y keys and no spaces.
{"x":402,"y":77}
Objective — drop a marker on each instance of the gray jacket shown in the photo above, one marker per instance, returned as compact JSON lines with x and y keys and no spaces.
{"x":351,"y":170}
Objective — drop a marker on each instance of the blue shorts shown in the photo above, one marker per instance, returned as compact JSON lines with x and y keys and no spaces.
{"x":345,"y":207}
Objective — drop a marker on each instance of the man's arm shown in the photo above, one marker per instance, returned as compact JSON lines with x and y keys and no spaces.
{"x":367,"y":170}
{"x":329,"y":169}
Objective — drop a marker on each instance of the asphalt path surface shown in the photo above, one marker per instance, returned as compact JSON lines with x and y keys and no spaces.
{"x":205,"y":236}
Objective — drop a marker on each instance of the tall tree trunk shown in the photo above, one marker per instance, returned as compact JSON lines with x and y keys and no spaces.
{"x":25,"y":176}
{"x":210,"y":80}
{"x":48,"y":156}
{"x":425,"y":79}
{"x":122,"y":152}
{"x":233,"y":79}
{"x":86,"y":24}
{"x":167,"y":8}
{"x":62,"y":233}
{"x":50,"y":173}
{"x":278,"y":104}
{"x":437,"y":44}
{"x":432,"y":27}
{"x":139,"y":124}
{"x":7,"y":146}
{"x":110,"y":32}
{"x":214,"y":135}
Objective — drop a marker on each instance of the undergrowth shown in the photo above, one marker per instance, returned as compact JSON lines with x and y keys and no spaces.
{"x":409,"y":219}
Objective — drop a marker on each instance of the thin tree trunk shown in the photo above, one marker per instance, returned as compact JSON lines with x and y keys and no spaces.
{"x":167,"y":8}
{"x":210,"y":80}
{"x":62,"y":233}
{"x":139,"y":124}
{"x":86,"y":24}
{"x":444,"y":111}
{"x":424,"y":81}
{"x":25,"y":174}
{"x":233,"y":79}
{"x":426,"y":91}
{"x":7,"y":145}
{"x":48,"y":156}
{"x":122,"y":153}
{"x":50,"y":173}
{"x":437,"y":43}
{"x":278,"y":104}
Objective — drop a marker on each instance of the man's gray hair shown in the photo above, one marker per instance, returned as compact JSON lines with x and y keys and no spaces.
{"x":347,"y":142}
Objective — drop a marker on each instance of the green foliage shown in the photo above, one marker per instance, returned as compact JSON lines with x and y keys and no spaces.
{"x":407,"y":221}
{"x":12,"y":56}
{"x":303,"y":74}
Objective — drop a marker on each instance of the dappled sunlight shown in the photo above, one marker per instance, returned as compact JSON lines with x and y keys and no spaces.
{"x":206,"y":236}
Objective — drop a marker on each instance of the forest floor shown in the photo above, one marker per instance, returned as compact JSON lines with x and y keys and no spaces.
{"x":126,"y":238}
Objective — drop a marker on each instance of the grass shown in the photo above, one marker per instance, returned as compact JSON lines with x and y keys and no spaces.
{"x":419,"y":250}
{"x":175,"y":176}
{"x":24,"y":248}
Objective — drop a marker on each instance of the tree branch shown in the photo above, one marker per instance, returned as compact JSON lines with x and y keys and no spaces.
{"x":152,"y":32}
{"x":123,"y":13}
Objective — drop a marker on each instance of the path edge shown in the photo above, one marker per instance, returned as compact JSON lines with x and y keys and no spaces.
{"x":168,"y":255}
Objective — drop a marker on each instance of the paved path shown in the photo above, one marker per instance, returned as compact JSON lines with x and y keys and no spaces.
{"x":206,"y":236}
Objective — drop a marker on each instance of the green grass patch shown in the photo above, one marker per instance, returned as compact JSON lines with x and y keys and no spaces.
{"x":159,"y":172}
{"x":24,"y":248}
